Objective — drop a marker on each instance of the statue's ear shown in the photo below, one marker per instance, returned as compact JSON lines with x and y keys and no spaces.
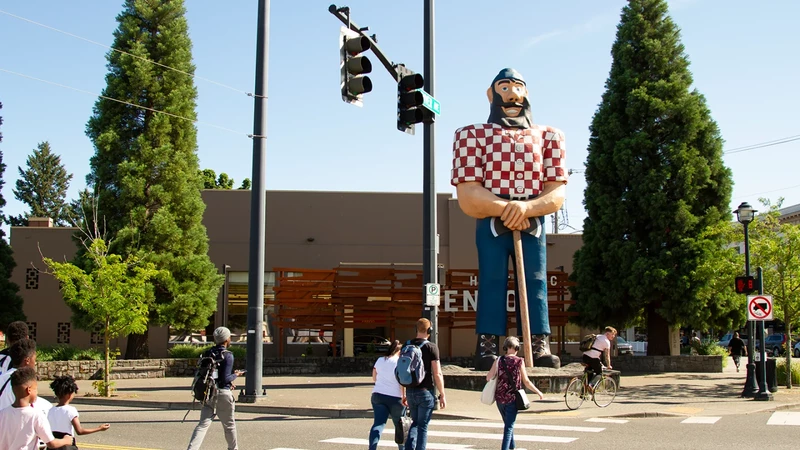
{"x":489,"y":94}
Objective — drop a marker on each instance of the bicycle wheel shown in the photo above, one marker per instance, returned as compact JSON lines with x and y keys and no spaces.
{"x":604,"y":392}
{"x":573,"y":396}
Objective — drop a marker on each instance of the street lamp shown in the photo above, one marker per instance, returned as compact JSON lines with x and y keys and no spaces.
{"x":745,"y":214}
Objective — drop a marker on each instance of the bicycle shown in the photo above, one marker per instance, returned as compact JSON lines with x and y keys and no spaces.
{"x":579,"y":389}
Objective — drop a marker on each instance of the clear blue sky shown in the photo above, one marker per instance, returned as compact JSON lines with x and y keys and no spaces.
{"x":743,"y":57}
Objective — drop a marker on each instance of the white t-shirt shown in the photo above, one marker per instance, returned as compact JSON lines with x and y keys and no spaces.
{"x":385,"y":382}
{"x":5,"y":362}
{"x":60,"y":418}
{"x":20,"y":428}
{"x":601,"y":343}
{"x":7,"y":397}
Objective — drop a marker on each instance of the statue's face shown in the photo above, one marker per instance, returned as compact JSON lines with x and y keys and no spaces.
{"x":512,"y":93}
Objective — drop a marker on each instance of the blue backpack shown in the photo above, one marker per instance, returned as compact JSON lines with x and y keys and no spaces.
{"x":410,"y":369}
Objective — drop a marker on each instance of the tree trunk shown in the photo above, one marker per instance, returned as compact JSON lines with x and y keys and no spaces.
{"x":789,"y":349}
{"x":137,"y":346}
{"x":657,"y":331}
{"x":106,"y":362}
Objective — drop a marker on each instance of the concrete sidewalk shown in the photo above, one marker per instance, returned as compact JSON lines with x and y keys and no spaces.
{"x":349,"y":396}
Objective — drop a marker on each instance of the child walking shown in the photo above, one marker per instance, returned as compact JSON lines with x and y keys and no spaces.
{"x":63,"y":417}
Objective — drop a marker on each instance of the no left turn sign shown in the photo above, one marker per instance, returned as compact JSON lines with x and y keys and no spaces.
{"x":759,"y":307}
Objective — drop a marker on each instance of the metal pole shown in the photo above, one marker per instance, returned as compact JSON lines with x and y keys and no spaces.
{"x":763,"y":392}
{"x":429,"y":241}
{"x":258,"y":215}
{"x":750,"y":385}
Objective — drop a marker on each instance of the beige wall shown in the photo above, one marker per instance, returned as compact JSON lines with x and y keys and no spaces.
{"x":346,"y":227}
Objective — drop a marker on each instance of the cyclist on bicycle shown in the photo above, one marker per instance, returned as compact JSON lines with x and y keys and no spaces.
{"x":591,"y":357}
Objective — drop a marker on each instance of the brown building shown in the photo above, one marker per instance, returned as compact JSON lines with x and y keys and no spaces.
{"x":305,"y":230}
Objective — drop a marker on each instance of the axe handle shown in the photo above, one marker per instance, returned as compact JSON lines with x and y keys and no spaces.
{"x":523,"y":299}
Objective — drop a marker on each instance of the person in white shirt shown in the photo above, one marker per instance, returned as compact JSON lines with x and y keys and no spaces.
{"x":23,"y":354}
{"x":16,"y":331}
{"x":21,"y":426}
{"x":591,"y":357}
{"x":387,"y":396}
{"x":63,"y":417}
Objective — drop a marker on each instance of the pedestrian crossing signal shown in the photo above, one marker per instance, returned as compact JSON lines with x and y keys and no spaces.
{"x":745,"y":285}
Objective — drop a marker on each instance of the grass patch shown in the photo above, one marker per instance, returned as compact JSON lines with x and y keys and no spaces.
{"x":67,"y":353}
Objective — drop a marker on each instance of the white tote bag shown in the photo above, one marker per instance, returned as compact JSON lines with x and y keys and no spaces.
{"x":487,"y":395}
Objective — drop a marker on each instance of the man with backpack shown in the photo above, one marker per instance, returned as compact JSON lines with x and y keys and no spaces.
{"x":418,"y":370}
{"x":221,"y":402}
{"x":593,"y":351}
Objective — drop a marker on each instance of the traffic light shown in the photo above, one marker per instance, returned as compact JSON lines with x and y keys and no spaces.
{"x":353,"y":66}
{"x":745,"y":285}
{"x":410,"y":99}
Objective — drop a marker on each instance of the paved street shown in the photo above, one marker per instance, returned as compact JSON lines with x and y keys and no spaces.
{"x":151,"y":429}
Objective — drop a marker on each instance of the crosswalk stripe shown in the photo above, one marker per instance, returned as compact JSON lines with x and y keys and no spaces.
{"x":112,"y":447}
{"x":784,"y":418}
{"x":386,"y":443}
{"x":517,"y":426}
{"x":701,"y":419}
{"x":499,"y":437}
{"x":604,"y":420}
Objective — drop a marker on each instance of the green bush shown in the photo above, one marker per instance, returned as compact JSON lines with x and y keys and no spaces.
{"x":711,"y":347}
{"x":780,"y":372}
{"x":67,"y":353}
{"x":194,"y":351}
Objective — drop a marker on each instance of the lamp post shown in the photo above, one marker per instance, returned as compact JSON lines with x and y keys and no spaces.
{"x":745,"y":214}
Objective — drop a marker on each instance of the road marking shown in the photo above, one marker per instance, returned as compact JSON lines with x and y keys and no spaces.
{"x":517,"y":426}
{"x":701,"y":419}
{"x":385,"y":443}
{"x":784,"y":418}
{"x":603,"y":420}
{"x":113,"y":447}
{"x":499,"y":437}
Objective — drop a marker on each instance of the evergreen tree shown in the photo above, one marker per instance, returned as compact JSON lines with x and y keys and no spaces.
{"x":10,"y":301}
{"x":145,"y":167}
{"x":211,"y":181}
{"x":43,"y":187}
{"x":245,"y":184}
{"x":656,"y":185}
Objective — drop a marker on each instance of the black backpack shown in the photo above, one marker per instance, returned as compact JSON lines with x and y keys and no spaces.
{"x":204,"y":386}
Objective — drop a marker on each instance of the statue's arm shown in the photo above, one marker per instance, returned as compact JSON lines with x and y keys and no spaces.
{"x":477,"y":201}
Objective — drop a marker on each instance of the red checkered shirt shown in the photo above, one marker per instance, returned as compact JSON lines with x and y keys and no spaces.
{"x":509,"y":161}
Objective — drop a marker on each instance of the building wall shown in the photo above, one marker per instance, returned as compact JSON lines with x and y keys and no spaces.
{"x":314,"y":230}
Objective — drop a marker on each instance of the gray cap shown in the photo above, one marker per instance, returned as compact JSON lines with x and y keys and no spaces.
{"x":221,"y":335}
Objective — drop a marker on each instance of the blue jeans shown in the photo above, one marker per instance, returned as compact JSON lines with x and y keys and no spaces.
{"x":421,"y":403}
{"x":383,"y":406}
{"x":508,"y":411}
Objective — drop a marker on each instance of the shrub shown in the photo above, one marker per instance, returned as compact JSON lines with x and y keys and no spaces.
{"x":194,"y":351}
{"x":67,"y":353}
{"x":711,"y":347}
{"x":780,"y":372}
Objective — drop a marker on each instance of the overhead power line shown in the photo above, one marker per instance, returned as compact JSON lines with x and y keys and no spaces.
{"x":125,"y":53}
{"x":763,"y":144}
{"x":124,"y":102}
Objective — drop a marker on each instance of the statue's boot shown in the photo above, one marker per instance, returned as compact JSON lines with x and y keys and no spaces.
{"x":486,"y":352}
{"x":540,"y":350}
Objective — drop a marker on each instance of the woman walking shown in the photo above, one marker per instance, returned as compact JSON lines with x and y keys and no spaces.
{"x":388,"y":396}
{"x":511,"y":375}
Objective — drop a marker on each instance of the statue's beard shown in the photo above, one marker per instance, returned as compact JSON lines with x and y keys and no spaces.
{"x":496,"y":114}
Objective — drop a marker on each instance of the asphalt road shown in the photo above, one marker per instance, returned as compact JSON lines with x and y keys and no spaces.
{"x":154,"y":429}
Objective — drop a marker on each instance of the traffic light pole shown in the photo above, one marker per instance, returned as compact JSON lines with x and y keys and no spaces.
{"x":258,"y":216}
{"x":429,"y":242}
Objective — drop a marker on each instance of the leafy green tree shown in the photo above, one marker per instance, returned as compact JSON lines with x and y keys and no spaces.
{"x":43,"y":187}
{"x":145,"y":167}
{"x":113,"y":296}
{"x":211,"y":181}
{"x":775,"y":246}
{"x":245,"y":184}
{"x":10,"y":301}
{"x":656,"y":183}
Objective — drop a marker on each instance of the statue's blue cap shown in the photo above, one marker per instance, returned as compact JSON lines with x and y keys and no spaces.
{"x":508,"y":74}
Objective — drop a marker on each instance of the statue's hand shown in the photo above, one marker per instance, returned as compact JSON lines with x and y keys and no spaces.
{"x":515,"y":215}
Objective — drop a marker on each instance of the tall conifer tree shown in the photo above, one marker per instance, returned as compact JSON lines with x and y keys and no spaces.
{"x":656,"y":185}
{"x":10,"y":301}
{"x":145,"y":167}
{"x":43,"y":187}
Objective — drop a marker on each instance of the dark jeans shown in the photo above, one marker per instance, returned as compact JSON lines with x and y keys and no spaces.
{"x":382,"y":407}
{"x":508,"y":411}
{"x":594,"y":366}
{"x":421,"y":403}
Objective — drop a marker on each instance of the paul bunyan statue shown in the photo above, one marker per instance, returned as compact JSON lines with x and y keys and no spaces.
{"x":509,"y":173}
